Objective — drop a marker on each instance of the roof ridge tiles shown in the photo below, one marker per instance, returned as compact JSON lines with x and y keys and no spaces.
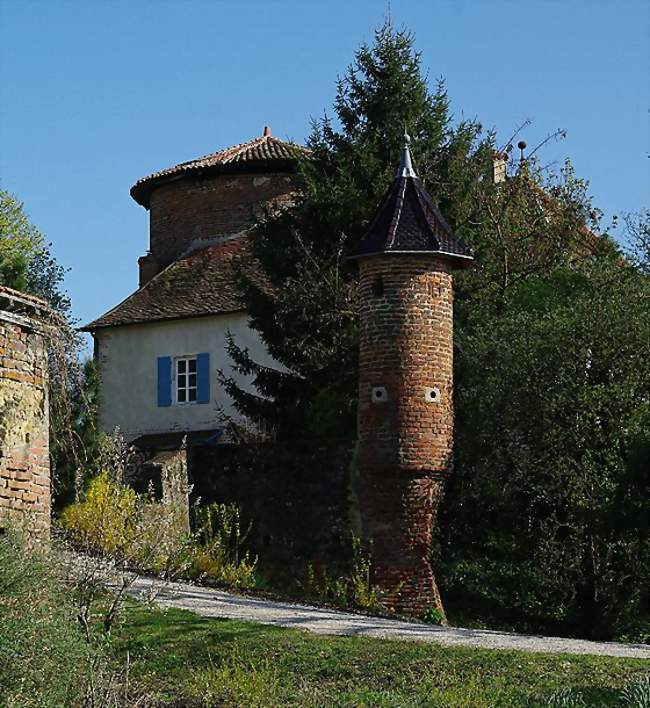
{"x":198,"y":283}
{"x":261,"y":151}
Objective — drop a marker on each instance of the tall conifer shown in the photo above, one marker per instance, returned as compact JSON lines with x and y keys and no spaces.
{"x":301,"y":296}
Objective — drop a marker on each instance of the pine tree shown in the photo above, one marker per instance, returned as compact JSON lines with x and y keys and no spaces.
{"x":301,"y":296}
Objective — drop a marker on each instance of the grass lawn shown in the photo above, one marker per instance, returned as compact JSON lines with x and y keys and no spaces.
{"x":187,"y":660}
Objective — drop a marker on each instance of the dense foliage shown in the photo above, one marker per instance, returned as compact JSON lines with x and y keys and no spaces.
{"x":547,"y":514}
{"x":546,"y":519}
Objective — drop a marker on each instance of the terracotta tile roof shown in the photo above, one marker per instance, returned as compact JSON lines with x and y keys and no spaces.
{"x":200,"y":283}
{"x":11,"y":298}
{"x":265,"y":153}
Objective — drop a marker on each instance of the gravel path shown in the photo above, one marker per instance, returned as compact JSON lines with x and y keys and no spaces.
{"x":217,"y":603}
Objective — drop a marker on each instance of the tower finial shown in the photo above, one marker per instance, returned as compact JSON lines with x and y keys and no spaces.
{"x":522,"y":146}
{"x":406,"y":165}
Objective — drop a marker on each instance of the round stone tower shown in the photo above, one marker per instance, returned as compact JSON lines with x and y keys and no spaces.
{"x":405,"y":385}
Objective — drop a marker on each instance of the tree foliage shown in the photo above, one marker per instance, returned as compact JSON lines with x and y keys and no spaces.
{"x":26,"y":262}
{"x":546,"y":515}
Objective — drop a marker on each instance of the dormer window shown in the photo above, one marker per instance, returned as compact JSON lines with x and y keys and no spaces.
{"x":186,"y":382}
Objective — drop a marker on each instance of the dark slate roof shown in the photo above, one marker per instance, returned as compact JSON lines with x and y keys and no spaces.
{"x":200,"y":283}
{"x":263,"y":154}
{"x":408,"y":221}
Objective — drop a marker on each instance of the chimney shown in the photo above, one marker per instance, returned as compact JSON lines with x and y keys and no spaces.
{"x":499,"y":167}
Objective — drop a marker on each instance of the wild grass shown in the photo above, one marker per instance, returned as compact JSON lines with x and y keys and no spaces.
{"x":193,"y":661}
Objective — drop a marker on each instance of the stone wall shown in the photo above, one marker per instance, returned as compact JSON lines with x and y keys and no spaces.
{"x":24,"y":415}
{"x":190,"y":210}
{"x":405,"y":418}
{"x":298,"y":498}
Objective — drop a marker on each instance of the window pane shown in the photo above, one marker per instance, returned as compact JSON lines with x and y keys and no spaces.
{"x":192,"y":379}
{"x":181,"y":381}
{"x":181,"y":366}
{"x":192,"y":394}
{"x":192,"y":365}
{"x":181,"y":395}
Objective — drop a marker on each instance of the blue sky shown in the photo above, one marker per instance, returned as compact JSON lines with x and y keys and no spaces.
{"x":95,"y":94}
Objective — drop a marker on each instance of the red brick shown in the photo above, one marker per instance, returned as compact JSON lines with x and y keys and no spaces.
{"x":190,"y":210}
{"x":405,"y":443}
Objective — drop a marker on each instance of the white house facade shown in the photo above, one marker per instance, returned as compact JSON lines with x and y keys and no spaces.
{"x":160,"y":352}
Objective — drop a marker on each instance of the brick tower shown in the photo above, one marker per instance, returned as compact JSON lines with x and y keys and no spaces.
{"x":405,"y":384}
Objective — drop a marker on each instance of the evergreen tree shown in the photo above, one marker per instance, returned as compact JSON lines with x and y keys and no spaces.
{"x":300,"y":295}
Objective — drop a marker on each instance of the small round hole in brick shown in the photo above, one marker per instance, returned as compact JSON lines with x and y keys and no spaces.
{"x":379,"y":394}
{"x":432,"y":395}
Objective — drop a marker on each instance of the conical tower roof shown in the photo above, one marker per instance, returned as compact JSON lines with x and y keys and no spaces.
{"x":408,"y":222}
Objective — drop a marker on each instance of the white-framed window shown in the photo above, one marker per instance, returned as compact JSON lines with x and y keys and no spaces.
{"x":185,"y":380}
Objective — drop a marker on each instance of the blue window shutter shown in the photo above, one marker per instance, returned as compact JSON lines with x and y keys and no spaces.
{"x":203,"y":378}
{"x":164,"y":381}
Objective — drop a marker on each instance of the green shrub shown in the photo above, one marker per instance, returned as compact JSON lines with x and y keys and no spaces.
{"x":433,"y":616}
{"x":112,"y":520}
{"x":43,"y":654}
{"x":219,"y":554}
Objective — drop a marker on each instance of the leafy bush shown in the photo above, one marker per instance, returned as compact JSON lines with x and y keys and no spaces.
{"x":118,"y":534}
{"x":105,"y":522}
{"x":112,"y":520}
{"x":218,"y":553}
{"x":433,"y":616}
{"x":546,"y":517}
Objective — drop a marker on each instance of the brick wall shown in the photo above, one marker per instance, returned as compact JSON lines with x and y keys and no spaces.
{"x":297,"y":497}
{"x":24,"y":421}
{"x":188,"y":210}
{"x":405,"y":418}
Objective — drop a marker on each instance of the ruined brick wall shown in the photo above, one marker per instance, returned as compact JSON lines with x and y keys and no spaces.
{"x":405,"y":418}
{"x":185,"y":211}
{"x":24,"y":420}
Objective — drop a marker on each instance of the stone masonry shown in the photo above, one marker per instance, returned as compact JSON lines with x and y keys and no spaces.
{"x":405,"y":418}
{"x":24,"y":415}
